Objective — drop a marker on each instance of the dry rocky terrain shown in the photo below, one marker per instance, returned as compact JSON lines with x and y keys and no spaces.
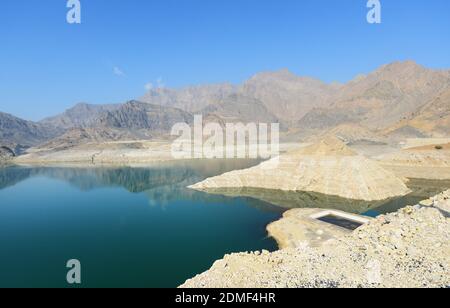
{"x":328,"y":167}
{"x":426,"y":162}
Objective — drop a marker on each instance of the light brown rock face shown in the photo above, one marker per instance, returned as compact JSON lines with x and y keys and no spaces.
{"x":425,"y":162}
{"x":191,"y":99}
{"x":432,"y":119}
{"x":353,"y":133}
{"x":287,"y":96}
{"x":383,"y":98}
{"x":328,"y":167}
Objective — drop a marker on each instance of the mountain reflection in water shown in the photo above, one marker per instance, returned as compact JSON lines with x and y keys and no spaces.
{"x":162,"y":183}
{"x":166,"y":182}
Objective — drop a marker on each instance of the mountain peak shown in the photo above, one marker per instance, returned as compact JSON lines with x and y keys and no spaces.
{"x":134,"y":102}
{"x":283,"y":74}
{"x":402,"y":66}
{"x":81,"y":104}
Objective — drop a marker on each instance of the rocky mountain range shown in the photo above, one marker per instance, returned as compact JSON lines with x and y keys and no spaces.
{"x":239,"y":108}
{"x":377,"y":103}
{"x":16,"y":133}
{"x":382,"y":98}
{"x":80,"y":116}
{"x":190,"y":99}
{"x":432,"y":118}
{"x":402,"y":99}
{"x":136,"y":115}
{"x":285,"y":96}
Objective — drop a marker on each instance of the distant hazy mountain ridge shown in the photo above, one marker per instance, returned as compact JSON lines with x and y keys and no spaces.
{"x":382,"y":98}
{"x":15,"y":131}
{"x":399,"y":100}
{"x":287,"y":96}
{"x":190,"y":99}
{"x":81,"y":115}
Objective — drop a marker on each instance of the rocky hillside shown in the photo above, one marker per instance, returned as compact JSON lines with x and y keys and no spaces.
{"x":397,"y":101}
{"x":432,"y":119}
{"x":136,"y":115}
{"x":80,"y":136}
{"x":375,"y":102}
{"x":287,"y":96}
{"x":353,"y":134}
{"x":81,"y":115}
{"x":133,"y":120}
{"x":239,"y":108}
{"x":22,"y":133}
{"x":190,"y":99}
{"x":382,"y":98}
{"x":90,"y":123}
{"x":6,"y":154}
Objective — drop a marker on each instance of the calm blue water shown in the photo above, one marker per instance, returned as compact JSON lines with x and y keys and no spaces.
{"x":129,"y":227}
{"x":141,"y":227}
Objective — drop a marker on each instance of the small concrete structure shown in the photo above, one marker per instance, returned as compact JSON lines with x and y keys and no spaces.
{"x":300,"y":227}
{"x":356,"y":219}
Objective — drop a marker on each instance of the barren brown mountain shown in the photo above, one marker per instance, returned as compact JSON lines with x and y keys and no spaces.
{"x":190,"y":99}
{"x":352,"y":134}
{"x":80,"y":116}
{"x":19,"y":133}
{"x":287,"y":96}
{"x":397,"y":101}
{"x":433,"y":119}
{"x":239,"y":108}
{"x":382,"y":98}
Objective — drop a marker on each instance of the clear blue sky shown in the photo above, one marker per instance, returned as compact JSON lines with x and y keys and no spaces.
{"x":47,"y":65}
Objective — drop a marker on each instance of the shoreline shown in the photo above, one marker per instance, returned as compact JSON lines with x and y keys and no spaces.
{"x":150,"y":164}
{"x":133,"y":152}
{"x":382,"y":253}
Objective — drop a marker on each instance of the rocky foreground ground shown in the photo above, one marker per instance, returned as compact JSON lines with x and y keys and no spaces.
{"x":409,"y":248}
